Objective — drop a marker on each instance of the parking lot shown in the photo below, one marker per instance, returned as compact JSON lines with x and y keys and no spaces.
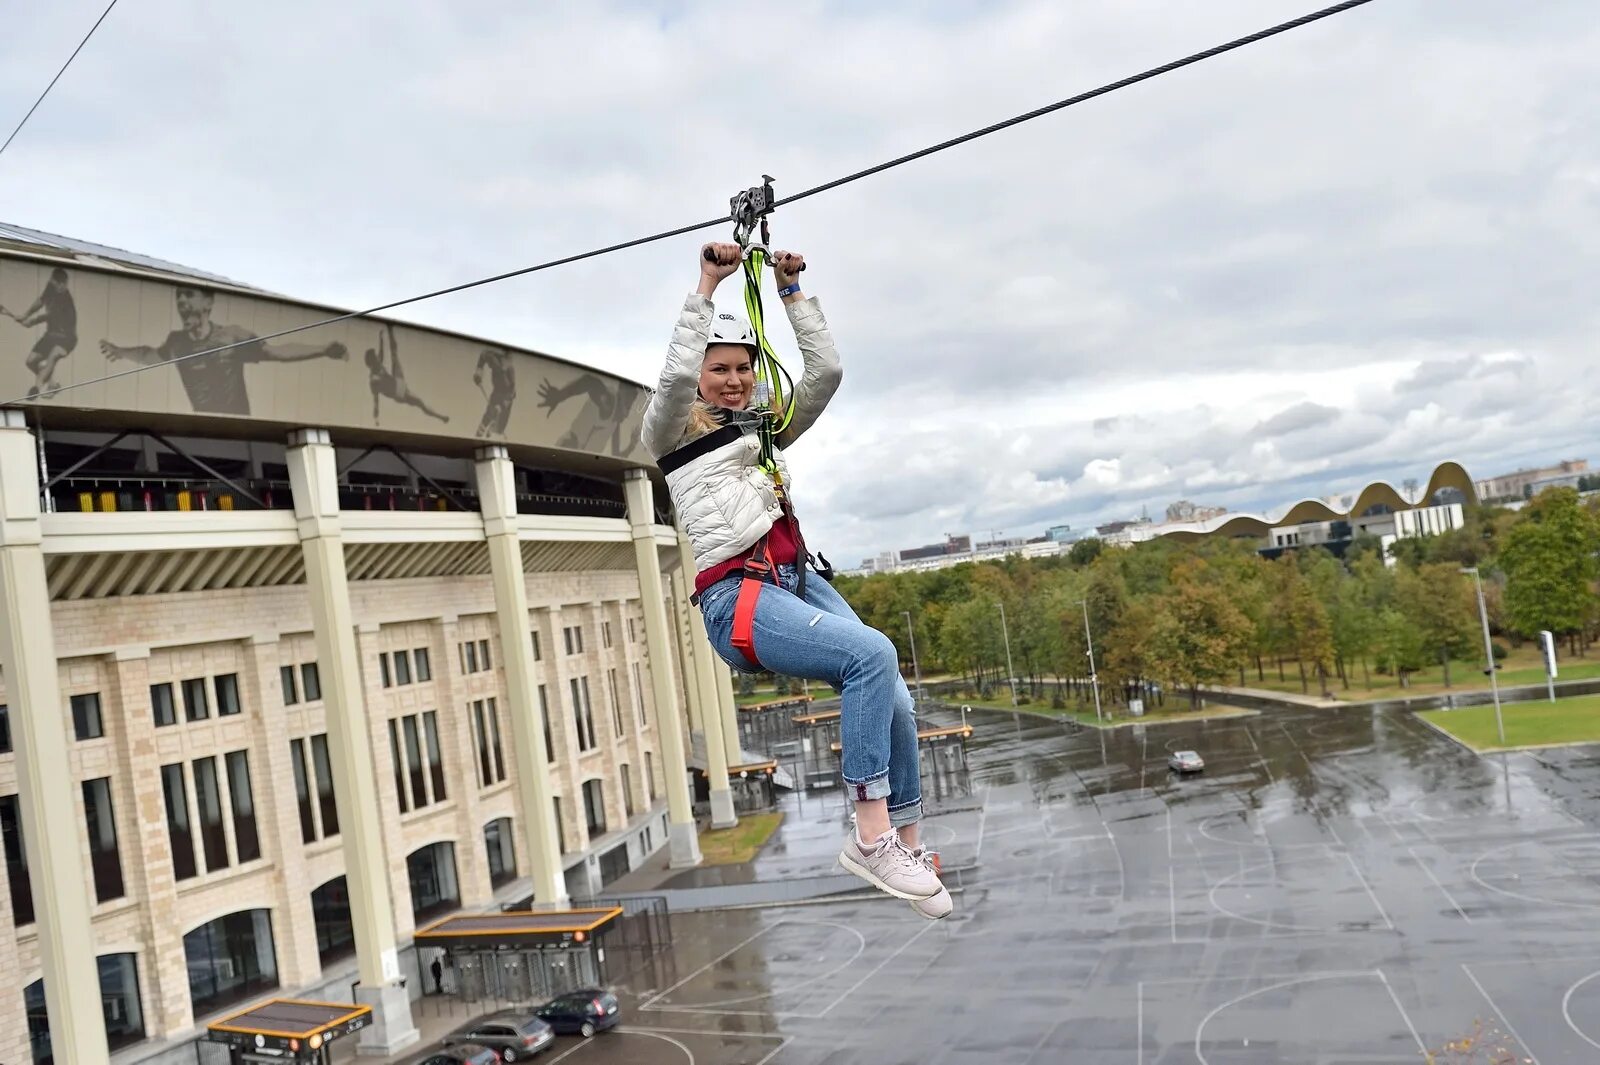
{"x":1337,"y":886}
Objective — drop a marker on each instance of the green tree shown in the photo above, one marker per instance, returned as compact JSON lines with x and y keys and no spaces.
{"x":1198,"y":635}
{"x":1549,"y":562}
{"x":1439,"y":604}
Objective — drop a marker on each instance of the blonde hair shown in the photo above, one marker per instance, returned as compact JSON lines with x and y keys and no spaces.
{"x":701,"y":420}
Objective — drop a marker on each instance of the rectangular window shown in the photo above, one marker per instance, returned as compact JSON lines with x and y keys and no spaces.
{"x":399,"y":770}
{"x":311,"y":682}
{"x":302,"y":791}
{"x":627,"y":791}
{"x":162,"y":707}
{"x":588,"y":711}
{"x":101,"y":821}
{"x":402,"y":667}
{"x":5,"y":729}
{"x":227,"y":686}
{"x":577,"y":713}
{"x":502,"y":855}
{"x":594,"y":808}
{"x":176,"y":794}
{"x":494,"y":741}
{"x":483,"y":654}
{"x":650,"y":775}
{"x":536,"y":655}
{"x":616,"y":701}
{"x":208,"y":797}
{"x":430,"y":736}
{"x":194,"y":700}
{"x":638,"y":694}
{"x":544,"y":717}
{"x":577,"y":635}
{"x":469,"y":657}
{"x":246,"y":842}
{"x":86,"y":723}
{"x":630,"y":630}
{"x":481,"y":727}
{"x":287,"y":685}
{"x":383,"y":670}
{"x":605,"y":633}
{"x":561,"y":827}
{"x":424,"y":666}
{"x":567,"y":635}
{"x":326,"y":805}
{"x":16,"y":861}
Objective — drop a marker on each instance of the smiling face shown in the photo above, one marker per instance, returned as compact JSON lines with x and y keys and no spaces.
{"x":727,"y":377}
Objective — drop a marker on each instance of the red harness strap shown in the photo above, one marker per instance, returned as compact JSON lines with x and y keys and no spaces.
{"x":757,"y":568}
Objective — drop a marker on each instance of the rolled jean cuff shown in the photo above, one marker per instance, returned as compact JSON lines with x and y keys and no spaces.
{"x":909,"y":814}
{"x":876,"y":787}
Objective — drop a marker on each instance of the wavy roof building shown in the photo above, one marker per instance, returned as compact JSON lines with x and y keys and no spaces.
{"x":1379,"y":497}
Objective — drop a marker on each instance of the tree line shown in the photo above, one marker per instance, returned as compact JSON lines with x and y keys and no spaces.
{"x":1178,"y":616}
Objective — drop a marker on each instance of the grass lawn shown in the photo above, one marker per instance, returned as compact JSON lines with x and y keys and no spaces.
{"x":1574,"y":720}
{"x":1522,"y":666}
{"x":731,"y":846}
{"x":1083,"y":713}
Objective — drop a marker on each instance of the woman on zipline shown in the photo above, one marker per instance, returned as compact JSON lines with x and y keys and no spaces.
{"x":737,"y":514}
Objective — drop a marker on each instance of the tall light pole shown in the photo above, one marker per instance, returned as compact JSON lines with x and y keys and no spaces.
{"x":917,"y":669}
{"x":1010,"y":672}
{"x":1488,"y":650}
{"x":1094,"y":679}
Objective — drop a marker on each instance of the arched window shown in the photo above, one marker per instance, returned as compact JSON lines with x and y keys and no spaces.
{"x":119,"y":999}
{"x":502,"y":851}
{"x":432,"y":871}
{"x":230,"y":959}
{"x":330,"y":912}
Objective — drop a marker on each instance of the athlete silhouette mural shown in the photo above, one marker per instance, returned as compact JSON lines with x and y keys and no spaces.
{"x":601,"y":421}
{"x":392,"y":383}
{"x":216,"y":382}
{"x":501,"y":391}
{"x":58,"y":313}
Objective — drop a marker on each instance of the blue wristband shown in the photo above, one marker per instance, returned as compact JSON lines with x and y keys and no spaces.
{"x":790,"y":291}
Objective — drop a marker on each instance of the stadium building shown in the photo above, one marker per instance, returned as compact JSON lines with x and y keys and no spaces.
{"x":307,"y":643}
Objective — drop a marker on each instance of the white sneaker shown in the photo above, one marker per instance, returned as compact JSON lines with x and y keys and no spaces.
{"x":889,"y":866}
{"x":938,"y":906}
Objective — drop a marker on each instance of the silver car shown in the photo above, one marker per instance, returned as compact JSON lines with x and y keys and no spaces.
{"x":516,"y":1036}
{"x":1186,"y":762}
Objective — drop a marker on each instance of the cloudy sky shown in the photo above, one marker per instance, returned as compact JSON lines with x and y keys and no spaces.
{"x":1343,"y":254}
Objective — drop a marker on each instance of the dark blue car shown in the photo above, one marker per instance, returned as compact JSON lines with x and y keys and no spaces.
{"x":583,"y":1012}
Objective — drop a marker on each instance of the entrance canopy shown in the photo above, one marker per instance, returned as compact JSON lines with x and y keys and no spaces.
{"x":292,"y":1029}
{"x":518,"y":929}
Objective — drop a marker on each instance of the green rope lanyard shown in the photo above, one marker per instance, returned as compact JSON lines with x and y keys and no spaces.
{"x":776,"y":408}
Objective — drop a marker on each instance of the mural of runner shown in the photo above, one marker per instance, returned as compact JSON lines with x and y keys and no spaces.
{"x":605,"y":414}
{"x":502,"y":390}
{"x":392,"y":383}
{"x":215,"y":383}
{"x":57,"y":312}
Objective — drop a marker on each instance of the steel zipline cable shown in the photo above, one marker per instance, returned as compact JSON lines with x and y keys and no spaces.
{"x":1153,"y":72}
{"x":57,"y":78}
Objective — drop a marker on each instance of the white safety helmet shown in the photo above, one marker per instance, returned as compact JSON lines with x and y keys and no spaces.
{"x":728,"y":328}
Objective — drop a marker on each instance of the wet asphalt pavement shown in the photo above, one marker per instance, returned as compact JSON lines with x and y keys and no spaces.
{"x":1338,"y":887}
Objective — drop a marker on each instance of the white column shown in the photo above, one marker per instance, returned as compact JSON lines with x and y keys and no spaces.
{"x":45,"y":781}
{"x":730,"y":712}
{"x":497,"y":499}
{"x":313,"y":478}
{"x":703,"y":690}
{"x":683,"y":842}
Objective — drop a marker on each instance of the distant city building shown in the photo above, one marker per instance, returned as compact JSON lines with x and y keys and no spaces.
{"x":1062,"y":534}
{"x":1523,"y":484}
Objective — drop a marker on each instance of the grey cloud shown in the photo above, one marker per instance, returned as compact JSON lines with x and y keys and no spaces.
{"x":1293,"y":419}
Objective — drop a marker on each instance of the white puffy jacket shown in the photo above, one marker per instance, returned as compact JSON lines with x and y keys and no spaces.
{"x":724,"y":500}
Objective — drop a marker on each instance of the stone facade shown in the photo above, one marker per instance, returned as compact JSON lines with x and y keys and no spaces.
{"x":121,"y":647}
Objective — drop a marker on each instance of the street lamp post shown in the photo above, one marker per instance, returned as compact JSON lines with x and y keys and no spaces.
{"x":1488,"y":650}
{"x":1094,"y":679}
{"x":1010,"y":672}
{"x":917,"y":669}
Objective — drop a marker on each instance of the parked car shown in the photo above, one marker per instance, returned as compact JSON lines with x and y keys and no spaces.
{"x":583,"y":1012}
{"x":1185,"y":762}
{"x":515,"y":1035}
{"x":465,"y":1054}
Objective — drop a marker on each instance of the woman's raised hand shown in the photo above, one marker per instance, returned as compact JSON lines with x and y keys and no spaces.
{"x":717,"y":261}
{"x":786,"y":267}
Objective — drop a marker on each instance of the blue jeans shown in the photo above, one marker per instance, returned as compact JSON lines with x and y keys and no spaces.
{"x":820,"y":638}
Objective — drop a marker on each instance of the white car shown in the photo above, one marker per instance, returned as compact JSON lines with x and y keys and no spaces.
{"x":1186,"y":762}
